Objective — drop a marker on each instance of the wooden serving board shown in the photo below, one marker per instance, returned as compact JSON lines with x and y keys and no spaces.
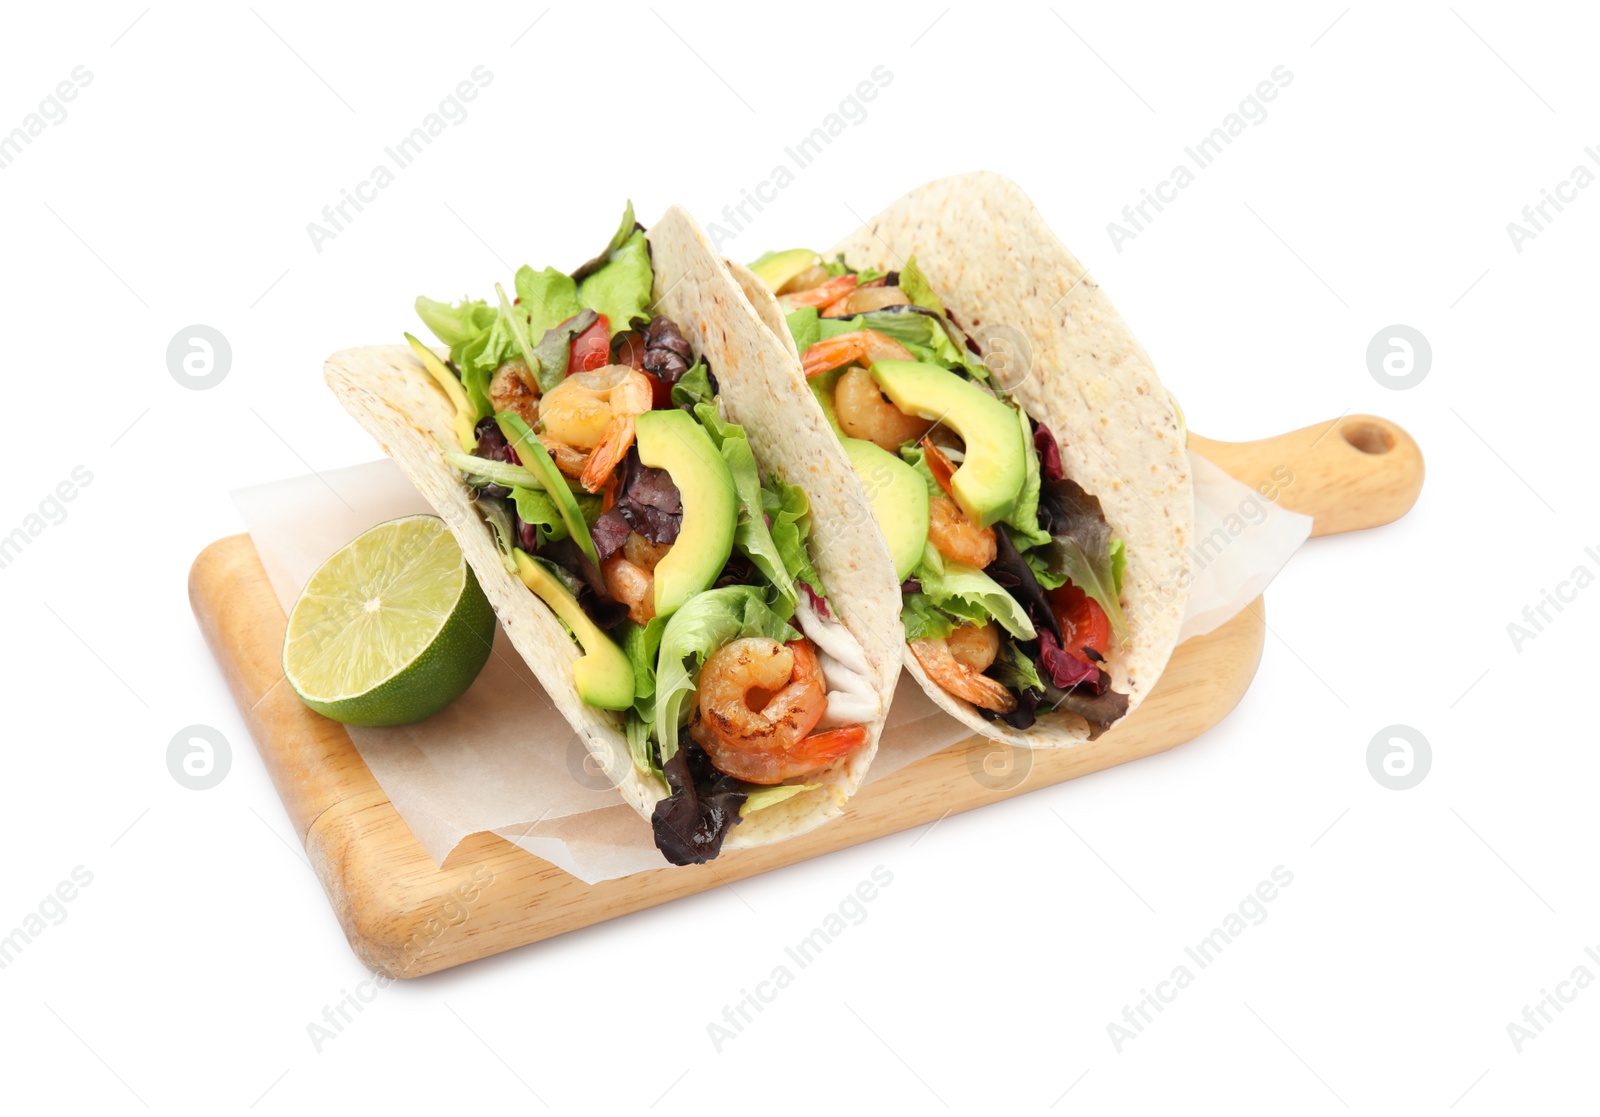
{"x":405,"y":916}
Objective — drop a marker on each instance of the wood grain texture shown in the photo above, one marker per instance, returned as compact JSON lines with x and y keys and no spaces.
{"x":1358,"y":471}
{"x":404,"y":916}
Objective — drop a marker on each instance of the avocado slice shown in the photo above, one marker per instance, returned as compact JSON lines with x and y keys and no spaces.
{"x":899,"y":499}
{"x":466,"y":417}
{"x":822,"y":386}
{"x":603,"y":674}
{"x":536,"y":459}
{"x":777,"y":268}
{"x":987,"y":483}
{"x":672,"y":440}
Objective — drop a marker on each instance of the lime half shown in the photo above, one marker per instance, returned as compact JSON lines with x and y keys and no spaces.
{"x":391,"y":629}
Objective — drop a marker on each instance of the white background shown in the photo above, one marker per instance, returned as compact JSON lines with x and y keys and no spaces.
{"x":1377,"y":191}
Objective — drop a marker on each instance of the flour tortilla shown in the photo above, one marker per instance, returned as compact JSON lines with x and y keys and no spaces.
{"x":387,"y":390}
{"x":1053,"y":339}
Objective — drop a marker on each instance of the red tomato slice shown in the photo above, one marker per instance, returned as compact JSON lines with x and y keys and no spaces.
{"x":591,"y":349}
{"x":660,"y":392}
{"x":1083,"y":623}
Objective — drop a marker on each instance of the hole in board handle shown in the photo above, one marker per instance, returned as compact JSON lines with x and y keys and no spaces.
{"x":1369,"y":438}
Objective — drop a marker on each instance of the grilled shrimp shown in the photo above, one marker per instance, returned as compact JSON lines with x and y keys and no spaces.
{"x":862,"y":347}
{"x":975,"y":645}
{"x":868,"y":296}
{"x":957,"y":537}
{"x":643,"y":553}
{"x":594,"y":412}
{"x":513,"y":389}
{"x":630,"y":576}
{"x":569,"y":459}
{"x":814,"y":276}
{"x":863,"y":412}
{"x":757,"y":703}
{"x":820,"y":295}
{"x":957,"y":664}
{"x":632,"y":586}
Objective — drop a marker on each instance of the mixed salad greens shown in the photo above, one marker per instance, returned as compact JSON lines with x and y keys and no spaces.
{"x":591,"y":436}
{"x":1011,"y":574}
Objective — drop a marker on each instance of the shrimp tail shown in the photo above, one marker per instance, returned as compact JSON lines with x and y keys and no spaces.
{"x":822,"y":294}
{"x":829,"y":745}
{"x":608,"y":453}
{"x":863,"y":347}
{"x":960,"y":680}
{"x":940,"y":465}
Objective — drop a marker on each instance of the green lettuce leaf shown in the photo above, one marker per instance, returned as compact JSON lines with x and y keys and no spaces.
{"x":912,"y":454}
{"x":548,"y":359}
{"x":554,"y":350}
{"x":1024,"y":517}
{"x":805,"y":326}
{"x":455,"y":324}
{"x":919,"y":333}
{"x":693,"y":387}
{"x":537,"y":459}
{"x":1065,"y":556}
{"x":640,"y":644}
{"x":923,"y":621}
{"x":499,"y":520}
{"x":778,"y":550}
{"x":751,"y":536}
{"x":917,"y":288}
{"x":481,"y":471}
{"x":637,"y":730}
{"x":1039,"y":563}
{"x":789,"y":511}
{"x":837,"y":267}
{"x":1013,"y":668}
{"x":621,"y":288}
{"x":1082,"y":549}
{"x":482,"y":336}
{"x":618,"y":239}
{"x":516,"y":324}
{"x":534,"y":506}
{"x":545,"y":298}
{"x":939,"y":344}
{"x":481,"y":356}
{"x":968,"y":593}
{"x":478,"y":339}
{"x":709,"y":620}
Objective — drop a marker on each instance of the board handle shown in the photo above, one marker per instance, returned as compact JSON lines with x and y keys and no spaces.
{"x":1358,"y":471}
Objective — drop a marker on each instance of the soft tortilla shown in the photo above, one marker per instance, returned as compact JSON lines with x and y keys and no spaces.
{"x":1052,"y":338}
{"x":386,"y":389}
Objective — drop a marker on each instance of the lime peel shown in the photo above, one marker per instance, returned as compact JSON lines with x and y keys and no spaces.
{"x":391,"y":628}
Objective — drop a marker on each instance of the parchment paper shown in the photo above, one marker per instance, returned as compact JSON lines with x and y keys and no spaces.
{"x":502,"y":759}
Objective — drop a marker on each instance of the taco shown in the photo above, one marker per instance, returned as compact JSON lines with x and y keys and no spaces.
{"x":684,"y":566}
{"x":1026,"y":467}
